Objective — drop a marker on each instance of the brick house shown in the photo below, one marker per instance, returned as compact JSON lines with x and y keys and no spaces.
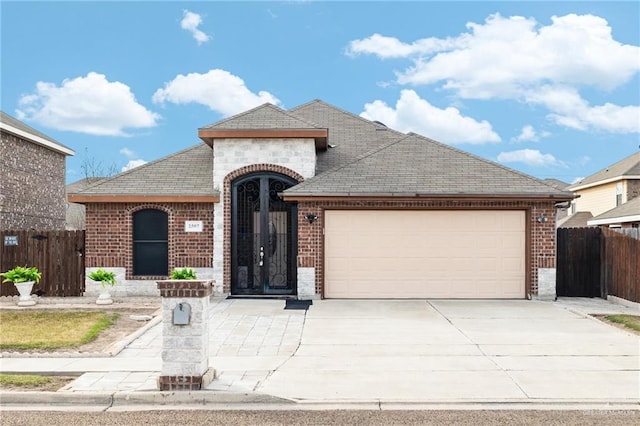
{"x":318,"y":202}
{"x":32,"y":178}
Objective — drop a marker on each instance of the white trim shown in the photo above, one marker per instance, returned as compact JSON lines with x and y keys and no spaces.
{"x":37,"y":139}
{"x":603,"y":182}
{"x":610,"y":220}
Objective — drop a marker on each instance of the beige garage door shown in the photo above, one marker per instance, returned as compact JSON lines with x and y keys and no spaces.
{"x":424,"y":254}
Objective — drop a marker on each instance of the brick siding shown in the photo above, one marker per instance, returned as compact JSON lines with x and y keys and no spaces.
{"x":109,"y":235}
{"x":32,"y":185}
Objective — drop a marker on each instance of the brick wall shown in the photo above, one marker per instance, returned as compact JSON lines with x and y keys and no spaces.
{"x":540,"y":239}
{"x":633,"y":189}
{"x":109,"y":239}
{"x":32,"y":185}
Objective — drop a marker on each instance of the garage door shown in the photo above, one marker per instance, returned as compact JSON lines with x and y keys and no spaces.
{"x":424,"y":254}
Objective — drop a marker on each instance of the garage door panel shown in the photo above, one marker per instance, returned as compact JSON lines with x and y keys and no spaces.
{"x":424,"y":254}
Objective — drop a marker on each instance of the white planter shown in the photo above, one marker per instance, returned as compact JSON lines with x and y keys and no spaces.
{"x":25,"y":293}
{"x":105,"y":297}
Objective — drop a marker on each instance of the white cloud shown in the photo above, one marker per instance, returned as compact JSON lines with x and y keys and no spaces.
{"x":133,"y":164}
{"x":414,"y":114}
{"x":190,"y":22}
{"x":514,"y":57}
{"x":390,"y":47}
{"x":217,"y":89}
{"x":127,"y":152}
{"x":90,"y":104}
{"x":531,"y":157}
{"x":576,"y":180}
{"x":569,"y":109}
{"x":529,"y":134}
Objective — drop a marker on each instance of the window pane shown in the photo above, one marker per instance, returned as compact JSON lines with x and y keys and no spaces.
{"x":150,"y":259}
{"x":150,"y":242}
{"x":150,"y":225}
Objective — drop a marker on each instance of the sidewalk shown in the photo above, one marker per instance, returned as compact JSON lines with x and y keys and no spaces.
{"x":373,"y":352}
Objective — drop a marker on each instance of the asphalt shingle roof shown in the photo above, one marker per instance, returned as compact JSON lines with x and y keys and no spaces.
{"x":576,"y":220}
{"x":188,"y":172}
{"x":367,"y":158}
{"x":629,"y":166}
{"x":630,"y":208}
{"x":415,"y":165}
{"x":351,"y":135}
{"x":266,"y":116}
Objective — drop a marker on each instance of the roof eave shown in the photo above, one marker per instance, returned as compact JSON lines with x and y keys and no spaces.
{"x":614,"y":220}
{"x":579,"y":187}
{"x":37,"y":139}
{"x":319,"y":135}
{"x":144,"y":198}
{"x":300,"y":196}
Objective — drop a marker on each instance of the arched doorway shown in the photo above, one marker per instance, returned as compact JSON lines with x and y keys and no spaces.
{"x":263,"y":236}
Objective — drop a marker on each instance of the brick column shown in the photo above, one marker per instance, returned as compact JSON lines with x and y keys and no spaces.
{"x":185,"y":348}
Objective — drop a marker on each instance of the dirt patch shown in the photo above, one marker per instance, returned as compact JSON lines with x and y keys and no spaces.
{"x":604,"y":319}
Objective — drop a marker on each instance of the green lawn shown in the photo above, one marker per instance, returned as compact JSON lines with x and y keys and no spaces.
{"x":25,"y":330}
{"x":629,"y":321}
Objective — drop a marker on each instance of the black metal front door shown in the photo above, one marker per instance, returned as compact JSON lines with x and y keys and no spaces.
{"x":264,"y":234}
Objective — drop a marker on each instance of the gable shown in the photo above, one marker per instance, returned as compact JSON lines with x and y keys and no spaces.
{"x":264,"y":122}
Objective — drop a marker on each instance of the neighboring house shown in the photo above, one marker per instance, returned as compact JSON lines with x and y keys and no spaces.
{"x":319,"y":202}
{"x":605,"y":190}
{"x":625,"y":216}
{"x":75,"y":215}
{"x":32,"y":178}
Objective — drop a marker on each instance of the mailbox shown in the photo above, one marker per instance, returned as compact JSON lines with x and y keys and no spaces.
{"x":182,"y":314}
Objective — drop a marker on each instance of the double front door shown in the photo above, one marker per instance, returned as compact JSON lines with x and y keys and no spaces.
{"x":263,"y":236}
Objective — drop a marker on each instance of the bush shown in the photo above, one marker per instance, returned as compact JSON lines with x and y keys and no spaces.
{"x":183,"y":274}
{"x":105,"y":278}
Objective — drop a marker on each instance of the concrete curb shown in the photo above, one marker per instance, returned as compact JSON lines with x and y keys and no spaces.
{"x":141,"y":401}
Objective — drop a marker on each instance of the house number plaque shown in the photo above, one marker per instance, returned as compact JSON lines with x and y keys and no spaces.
{"x":192,"y":226}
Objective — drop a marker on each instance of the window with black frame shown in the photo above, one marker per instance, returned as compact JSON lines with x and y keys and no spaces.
{"x":150,"y":242}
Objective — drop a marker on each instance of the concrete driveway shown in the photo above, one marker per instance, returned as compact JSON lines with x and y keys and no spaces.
{"x":387,"y":352}
{"x":457,"y":351}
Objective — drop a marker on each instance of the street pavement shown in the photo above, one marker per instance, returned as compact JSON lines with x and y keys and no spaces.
{"x":376,"y":354}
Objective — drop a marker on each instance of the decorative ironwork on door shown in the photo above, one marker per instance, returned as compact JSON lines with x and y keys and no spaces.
{"x":264,"y":235}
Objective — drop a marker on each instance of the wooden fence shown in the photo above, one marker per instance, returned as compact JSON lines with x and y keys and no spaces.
{"x":59,"y":255}
{"x":621,"y":265}
{"x":596,"y":262}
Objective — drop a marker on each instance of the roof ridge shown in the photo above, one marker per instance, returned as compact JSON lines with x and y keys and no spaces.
{"x":487,"y":161}
{"x":240,"y":114}
{"x":320,"y":101}
{"x":136,"y":169}
{"x":264,"y":105}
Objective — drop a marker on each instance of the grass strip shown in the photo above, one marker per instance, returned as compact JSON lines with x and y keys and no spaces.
{"x":629,"y":321}
{"x":24,"y":330}
{"x":23,"y":380}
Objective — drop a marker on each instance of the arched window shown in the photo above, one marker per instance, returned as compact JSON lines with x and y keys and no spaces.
{"x":150,"y":242}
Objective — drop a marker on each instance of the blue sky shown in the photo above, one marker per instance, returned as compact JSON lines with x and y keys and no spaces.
{"x":548,"y":88}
